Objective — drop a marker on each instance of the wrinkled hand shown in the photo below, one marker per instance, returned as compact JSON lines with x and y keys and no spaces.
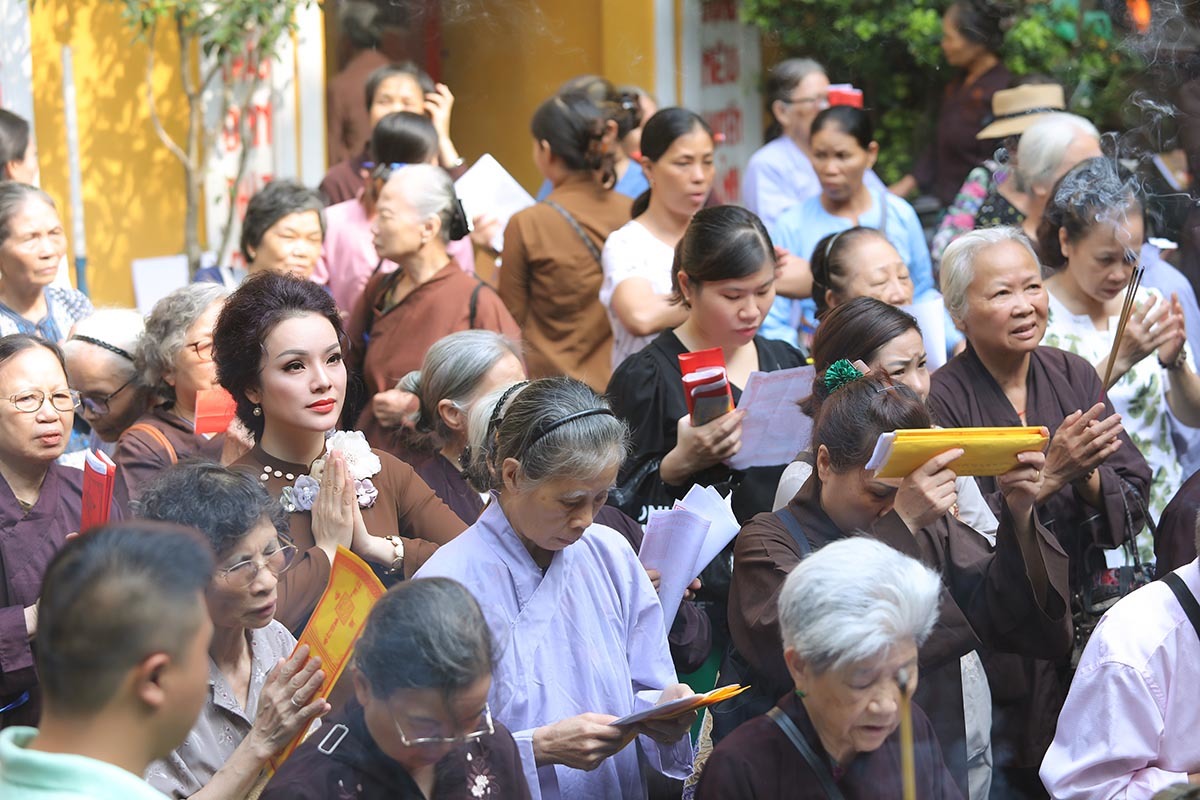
{"x":278,"y":718}
{"x":333,"y":510}
{"x":928,"y":491}
{"x":1150,"y":327}
{"x":1022,"y":484}
{"x":580,"y":742}
{"x":438,"y":105}
{"x":394,"y":408}
{"x":238,"y":441}
{"x":669,"y":731}
{"x":1082,"y":443}
{"x":711,"y":443}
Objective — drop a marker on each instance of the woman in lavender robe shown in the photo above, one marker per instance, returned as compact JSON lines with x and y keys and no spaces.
{"x":579,"y":630}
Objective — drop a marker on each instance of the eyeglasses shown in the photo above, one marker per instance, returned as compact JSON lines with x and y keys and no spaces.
{"x":486,"y":728}
{"x":32,"y":401}
{"x":820,"y":101}
{"x":202,"y":348}
{"x":277,"y":561}
{"x":98,"y":406}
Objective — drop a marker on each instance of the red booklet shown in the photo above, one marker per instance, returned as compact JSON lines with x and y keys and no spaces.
{"x":843,"y":94}
{"x":99,"y":476}
{"x":215,"y":409}
{"x":705,"y":385}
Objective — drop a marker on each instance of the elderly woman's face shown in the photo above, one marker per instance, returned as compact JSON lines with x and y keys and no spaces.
{"x":36,"y":243}
{"x":959,"y":50}
{"x":1102,"y":261}
{"x":398,"y":229}
{"x":797,"y":112}
{"x":302,"y":384}
{"x":40,"y":436}
{"x":423,"y":714}
{"x":194,"y":369}
{"x":234,"y":606}
{"x":553,"y":514}
{"x":291,"y":246}
{"x":1007,"y":304}
{"x":857,"y":707}
{"x":105,"y":379}
{"x":876,"y":271}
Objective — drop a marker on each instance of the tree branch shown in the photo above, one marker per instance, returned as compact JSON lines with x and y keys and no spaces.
{"x":163,"y":136}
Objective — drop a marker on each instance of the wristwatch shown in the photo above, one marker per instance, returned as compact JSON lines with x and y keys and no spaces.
{"x":398,"y":554}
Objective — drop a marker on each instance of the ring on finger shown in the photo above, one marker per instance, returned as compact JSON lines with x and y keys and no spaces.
{"x":297,"y":703}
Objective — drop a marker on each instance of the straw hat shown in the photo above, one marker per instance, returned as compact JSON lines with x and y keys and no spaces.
{"x":1014,"y":110}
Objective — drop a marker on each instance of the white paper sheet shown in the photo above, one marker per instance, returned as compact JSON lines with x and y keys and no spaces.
{"x":774,"y":429}
{"x":673,"y":542}
{"x":931,"y":316}
{"x":708,"y":503}
{"x":488,"y":188}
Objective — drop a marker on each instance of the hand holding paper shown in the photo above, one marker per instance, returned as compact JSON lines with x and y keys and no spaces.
{"x":683,"y":705}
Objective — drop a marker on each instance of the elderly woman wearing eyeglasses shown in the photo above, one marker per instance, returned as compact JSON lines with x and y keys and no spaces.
{"x":174,"y":361}
{"x":100,"y":366}
{"x":420,"y":725}
{"x":39,"y":504}
{"x":260,"y":693}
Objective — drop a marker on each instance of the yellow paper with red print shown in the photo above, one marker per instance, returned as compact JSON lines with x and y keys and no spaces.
{"x":986,"y":451}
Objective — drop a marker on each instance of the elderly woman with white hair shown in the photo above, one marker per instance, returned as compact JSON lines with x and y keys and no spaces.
{"x":101,"y":366}
{"x":402,"y":313}
{"x":175,"y":362}
{"x":1048,"y":148}
{"x":1094,"y":480}
{"x":852,"y":616}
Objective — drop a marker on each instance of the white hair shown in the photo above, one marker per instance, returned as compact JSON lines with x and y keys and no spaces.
{"x":1044,"y":144}
{"x":958,"y":263}
{"x":429,"y":190}
{"x":119,"y":328}
{"x":855,"y":599}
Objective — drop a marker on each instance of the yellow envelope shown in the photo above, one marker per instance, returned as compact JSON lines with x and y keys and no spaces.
{"x":987,"y":451}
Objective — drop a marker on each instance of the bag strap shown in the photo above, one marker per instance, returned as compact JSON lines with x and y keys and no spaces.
{"x":157,"y":435}
{"x":587,"y":240}
{"x":793,"y":734}
{"x":792,"y":524}
{"x":1185,"y":597}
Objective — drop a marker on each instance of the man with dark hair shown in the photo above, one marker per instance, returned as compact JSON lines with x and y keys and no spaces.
{"x":122,"y":655}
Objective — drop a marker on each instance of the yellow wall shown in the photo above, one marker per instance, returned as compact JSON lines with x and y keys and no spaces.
{"x":504,"y":57}
{"x":133,"y":191}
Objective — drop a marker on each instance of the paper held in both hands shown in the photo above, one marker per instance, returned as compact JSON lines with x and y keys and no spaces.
{"x":986,"y":451}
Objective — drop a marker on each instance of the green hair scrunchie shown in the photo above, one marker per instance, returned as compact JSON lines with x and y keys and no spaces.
{"x":839,"y":374}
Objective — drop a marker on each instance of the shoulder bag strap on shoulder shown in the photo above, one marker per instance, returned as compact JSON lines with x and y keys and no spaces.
{"x":1185,"y":597}
{"x":587,"y":240}
{"x":794,"y":736}
{"x":792,"y":524}
{"x":157,"y":435}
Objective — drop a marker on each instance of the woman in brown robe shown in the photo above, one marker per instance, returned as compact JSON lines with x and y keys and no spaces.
{"x":551,"y":276}
{"x":1010,"y":597}
{"x":1095,"y":480}
{"x":402,"y":313}
{"x":40,"y":504}
{"x":278,"y":346}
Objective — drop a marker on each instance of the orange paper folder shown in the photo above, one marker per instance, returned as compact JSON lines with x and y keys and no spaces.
{"x":705,"y":385}
{"x":683,"y":705}
{"x":215,"y":409}
{"x":336,"y":623}
{"x":99,"y":477}
{"x":986,"y":451}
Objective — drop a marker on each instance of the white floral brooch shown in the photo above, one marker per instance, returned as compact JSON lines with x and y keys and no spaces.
{"x":362,"y":463}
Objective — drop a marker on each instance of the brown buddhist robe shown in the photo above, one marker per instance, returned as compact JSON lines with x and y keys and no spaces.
{"x":1028,"y":694}
{"x":551,"y":282}
{"x":405,"y":507}
{"x":140,"y":456}
{"x":991,"y":597}
{"x":1175,"y":544}
{"x":28,"y":541}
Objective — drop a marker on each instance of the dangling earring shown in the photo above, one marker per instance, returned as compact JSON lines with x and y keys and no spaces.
{"x":257,"y":411}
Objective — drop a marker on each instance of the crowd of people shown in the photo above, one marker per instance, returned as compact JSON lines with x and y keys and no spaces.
{"x":490,"y":431}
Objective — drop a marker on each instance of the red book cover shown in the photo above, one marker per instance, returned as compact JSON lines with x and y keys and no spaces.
{"x":215,"y":409}
{"x":704,"y":379}
{"x":99,"y":476}
{"x":843,"y":94}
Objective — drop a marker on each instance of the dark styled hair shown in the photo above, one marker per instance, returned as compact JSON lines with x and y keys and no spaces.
{"x":849,"y":120}
{"x":721,"y":243}
{"x":852,"y":416}
{"x":407,"y":68}
{"x":111,"y":598}
{"x":659,"y":133}
{"x":273,"y":202}
{"x":13,"y":197}
{"x":573,"y":125}
{"x":224,"y":504}
{"x":424,"y":634}
{"x":14,"y":140}
{"x":248,"y":317}
{"x":854,"y":331}
{"x":618,"y":104}
{"x":983,"y":22}
{"x":403,"y":137}
{"x":1090,"y":193}
{"x":831,"y":262}
{"x":16,"y":343}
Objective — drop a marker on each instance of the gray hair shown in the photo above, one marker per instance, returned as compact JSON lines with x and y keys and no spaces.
{"x":429,"y":190}
{"x":787,"y":75}
{"x":13,"y":197}
{"x":452,"y":370}
{"x":853,"y":600}
{"x":1043,"y":146}
{"x":166,"y":333}
{"x":958,"y":263}
{"x":524,"y":428}
{"x":119,"y":328}
{"x":360,"y":23}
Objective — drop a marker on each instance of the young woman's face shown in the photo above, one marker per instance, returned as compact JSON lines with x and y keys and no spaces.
{"x":730,"y":312}
{"x":35,"y":245}
{"x":1007,"y":304}
{"x":553,"y":514}
{"x":903,"y":359}
{"x":683,"y":176}
{"x":1102,"y":261}
{"x":875,"y":270}
{"x":292,"y":246}
{"x":840,"y":162}
{"x":33,"y":437}
{"x":302,"y":384}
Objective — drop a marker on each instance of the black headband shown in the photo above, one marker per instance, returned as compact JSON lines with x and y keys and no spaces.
{"x":112,"y":348}
{"x":568,"y":419}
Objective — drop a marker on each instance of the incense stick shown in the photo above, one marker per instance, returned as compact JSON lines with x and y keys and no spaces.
{"x":1135,"y":280}
{"x":908,"y":768}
